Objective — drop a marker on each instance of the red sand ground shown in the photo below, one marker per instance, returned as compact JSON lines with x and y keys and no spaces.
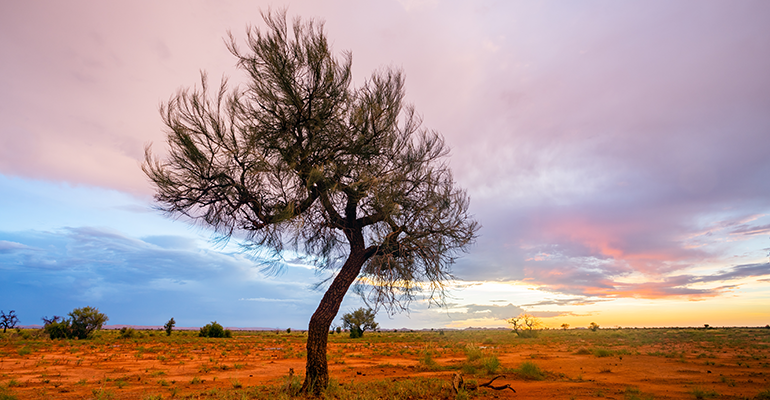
{"x":136,"y":369}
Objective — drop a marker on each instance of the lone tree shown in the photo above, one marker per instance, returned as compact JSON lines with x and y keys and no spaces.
{"x":8,"y":320}
{"x":358,"y":321}
{"x":169,"y":326}
{"x":300,"y":158}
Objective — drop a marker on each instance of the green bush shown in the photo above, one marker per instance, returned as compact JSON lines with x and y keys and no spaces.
{"x":58,"y":329}
{"x":214,"y":330}
{"x":127,"y":333}
{"x":530,"y":370}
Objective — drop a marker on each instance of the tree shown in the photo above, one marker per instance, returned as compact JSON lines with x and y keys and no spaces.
{"x":565,"y":326}
{"x":358,"y":321}
{"x":84,"y":321}
{"x":300,"y":158}
{"x":525,"y":325}
{"x":81,"y":324}
{"x":169,"y":326}
{"x":8,"y":320}
{"x":215,"y":330}
{"x":594,"y":326}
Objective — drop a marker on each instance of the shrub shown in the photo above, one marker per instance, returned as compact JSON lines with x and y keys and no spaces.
{"x":701,"y":393}
{"x":57,"y":329}
{"x":490,"y":364}
{"x":594,"y":326}
{"x":127,"y":333}
{"x":530,"y":370}
{"x":213,"y":330}
{"x":473,"y":352}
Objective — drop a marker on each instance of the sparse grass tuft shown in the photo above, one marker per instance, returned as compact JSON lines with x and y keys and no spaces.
{"x":530,"y":370}
{"x":703,"y":393}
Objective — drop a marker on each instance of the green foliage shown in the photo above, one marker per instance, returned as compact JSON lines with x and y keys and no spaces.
{"x":703,"y":393}
{"x":169,"y":326}
{"x":127,"y":333}
{"x":763,"y":395}
{"x":81,"y":324}
{"x":530,"y":370}
{"x":358,"y":321}
{"x":427,"y":362}
{"x":84,"y":321}
{"x":215,"y":330}
{"x":57,"y":328}
{"x":603,"y":352}
{"x":5,"y":394}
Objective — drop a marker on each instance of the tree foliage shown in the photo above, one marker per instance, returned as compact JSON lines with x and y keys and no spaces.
{"x":214,"y":330}
{"x":298,"y":157}
{"x":8,"y":320}
{"x":359,"y":321}
{"x":81,"y":324}
{"x":169,"y":326}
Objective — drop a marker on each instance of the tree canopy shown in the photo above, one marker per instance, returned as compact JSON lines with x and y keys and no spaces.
{"x":359,"y":321}
{"x":298,"y":157}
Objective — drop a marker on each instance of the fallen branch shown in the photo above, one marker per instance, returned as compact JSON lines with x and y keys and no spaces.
{"x":458,"y":383}
{"x":489,"y":384}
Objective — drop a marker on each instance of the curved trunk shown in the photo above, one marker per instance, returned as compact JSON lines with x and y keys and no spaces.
{"x":317,"y":371}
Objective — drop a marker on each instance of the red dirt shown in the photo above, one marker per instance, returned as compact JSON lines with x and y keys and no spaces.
{"x":137,"y":369}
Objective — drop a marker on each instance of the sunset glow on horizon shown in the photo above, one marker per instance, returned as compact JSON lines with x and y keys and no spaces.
{"x":616,"y":155}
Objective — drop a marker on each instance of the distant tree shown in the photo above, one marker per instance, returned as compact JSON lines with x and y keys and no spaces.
{"x":81,"y":324}
{"x":359,"y":321}
{"x":565,"y":326}
{"x":525,"y":325}
{"x":8,"y":320}
{"x":169,"y":326}
{"x":298,"y":157}
{"x":215,"y":330}
{"x":84,"y":321}
{"x":594,"y":326}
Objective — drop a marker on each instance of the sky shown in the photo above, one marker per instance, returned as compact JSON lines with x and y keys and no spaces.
{"x":615,"y":154}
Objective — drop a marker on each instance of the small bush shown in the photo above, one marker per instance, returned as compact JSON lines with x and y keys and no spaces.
{"x":701,"y":393}
{"x":127,"y":333}
{"x":530,"y":370}
{"x":763,"y":395}
{"x":490,"y":364}
{"x":603,"y":353}
{"x":473,"y":352}
{"x":427,"y":362}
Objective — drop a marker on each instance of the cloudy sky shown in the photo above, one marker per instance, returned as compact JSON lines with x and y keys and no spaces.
{"x":617,"y":155}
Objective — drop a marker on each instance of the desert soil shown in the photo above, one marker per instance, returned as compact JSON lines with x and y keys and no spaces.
{"x":577,"y":365}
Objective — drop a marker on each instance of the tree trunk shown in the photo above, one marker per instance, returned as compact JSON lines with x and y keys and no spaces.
{"x":317,"y":371}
